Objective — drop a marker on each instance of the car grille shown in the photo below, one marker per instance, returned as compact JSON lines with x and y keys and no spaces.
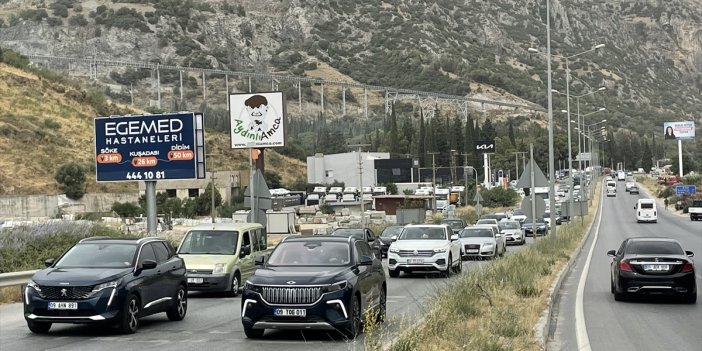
{"x":472,"y":246}
{"x":199,"y":271}
{"x":419,"y":253}
{"x":65,"y":292}
{"x":291,"y":296}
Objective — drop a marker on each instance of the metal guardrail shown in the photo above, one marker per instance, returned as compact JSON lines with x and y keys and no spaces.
{"x":15,"y":278}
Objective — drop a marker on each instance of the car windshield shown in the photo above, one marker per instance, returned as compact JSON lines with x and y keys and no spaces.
{"x":311,"y":253}
{"x":528,"y":222}
{"x":414,"y":233}
{"x":509,"y":225}
{"x":356,"y":233}
{"x":517,"y":213}
{"x":99,"y":255}
{"x":485,"y":221}
{"x":476,"y":233}
{"x":455,"y":224}
{"x":209,"y":242}
{"x":391,"y":231}
{"x":654,"y":248}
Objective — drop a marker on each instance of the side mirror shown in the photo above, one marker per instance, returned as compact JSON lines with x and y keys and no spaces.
{"x":148,"y":264}
{"x":245,"y":251}
{"x":690,"y":254}
{"x":258,"y":261}
{"x":611,"y":253}
{"x":366,"y":261}
{"x":49,"y":262}
{"x":393,"y":238}
{"x":498,"y":235}
{"x":371,"y":239}
{"x":454,"y":237}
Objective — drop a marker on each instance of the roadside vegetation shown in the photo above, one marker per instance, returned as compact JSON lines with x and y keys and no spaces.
{"x":496,"y":307}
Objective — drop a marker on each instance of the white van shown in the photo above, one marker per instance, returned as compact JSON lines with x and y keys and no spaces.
{"x":646,"y":211}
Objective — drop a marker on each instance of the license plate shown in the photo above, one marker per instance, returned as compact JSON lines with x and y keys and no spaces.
{"x":656,"y":267}
{"x":195,"y":280}
{"x":415,"y":260}
{"x":63,"y":305}
{"x":290,"y":312}
{"x":648,"y":216}
{"x":473,"y":251}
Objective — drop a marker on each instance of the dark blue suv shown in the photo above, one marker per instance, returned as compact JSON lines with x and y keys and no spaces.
{"x":107,"y":280}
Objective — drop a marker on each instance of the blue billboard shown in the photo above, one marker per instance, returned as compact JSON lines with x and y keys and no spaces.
{"x":685,"y":189}
{"x":148,"y":148}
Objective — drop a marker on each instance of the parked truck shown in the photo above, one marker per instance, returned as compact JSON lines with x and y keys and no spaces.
{"x":695,"y":210}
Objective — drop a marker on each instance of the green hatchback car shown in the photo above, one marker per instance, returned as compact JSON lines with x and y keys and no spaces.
{"x":219,"y":257}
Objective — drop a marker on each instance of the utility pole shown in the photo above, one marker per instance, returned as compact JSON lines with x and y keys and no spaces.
{"x":212,"y":196}
{"x":516,"y":163}
{"x":453,"y":166}
{"x":360,"y":180}
{"x":433,"y":179}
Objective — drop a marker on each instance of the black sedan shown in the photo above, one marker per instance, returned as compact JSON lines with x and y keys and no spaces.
{"x":385,"y":237}
{"x":652,"y":266}
{"x":105,"y":280}
{"x":541,"y":227}
{"x":314,"y":283}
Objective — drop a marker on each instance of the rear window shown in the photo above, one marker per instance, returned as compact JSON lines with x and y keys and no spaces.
{"x":476,"y":233}
{"x":654,"y":248}
{"x":645,"y":205}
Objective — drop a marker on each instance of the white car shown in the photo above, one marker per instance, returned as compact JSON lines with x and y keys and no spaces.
{"x":629,"y":185}
{"x":512,"y":232}
{"x":482,"y":241}
{"x":425,"y":247}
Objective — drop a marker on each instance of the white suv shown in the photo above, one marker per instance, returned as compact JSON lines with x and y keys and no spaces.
{"x":425,"y":247}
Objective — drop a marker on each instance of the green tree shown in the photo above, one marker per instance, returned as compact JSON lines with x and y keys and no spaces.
{"x":647,"y":156}
{"x":71,"y":180}
{"x":394,"y":137}
{"x":273,"y":179}
{"x":488,"y":132}
{"x":203,"y":203}
{"x":127,"y":209}
{"x":421,"y":141}
{"x":510,"y":132}
{"x":172,"y":206}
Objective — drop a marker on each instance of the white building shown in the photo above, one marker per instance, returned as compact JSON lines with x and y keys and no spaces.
{"x":325,"y":169}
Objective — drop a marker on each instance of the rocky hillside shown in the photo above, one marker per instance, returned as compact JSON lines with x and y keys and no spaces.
{"x":652,"y":61}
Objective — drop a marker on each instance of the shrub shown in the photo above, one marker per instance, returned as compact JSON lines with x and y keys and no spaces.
{"x":78,"y":20}
{"x":127,"y":209}
{"x":326,"y":209}
{"x":71,"y":180}
{"x":499,"y":197}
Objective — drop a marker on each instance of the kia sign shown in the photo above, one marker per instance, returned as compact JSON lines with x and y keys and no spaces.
{"x":149,"y":147}
{"x":485,"y":147}
{"x":258,"y":120}
{"x":679,"y":130}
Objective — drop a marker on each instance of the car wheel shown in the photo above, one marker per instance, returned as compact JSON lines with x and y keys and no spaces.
{"x":234,"y":290}
{"x":382,"y":310}
{"x":38,"y":327}
{"x":355,"y":326}
{"x":393,"y":273}
{"x":129,"y":323}
{"x":619,"y":296}
{"x":253,"y":333}
{"x":690,"y":298}
{"x":180,"y":305}
{"x":449,"y":267}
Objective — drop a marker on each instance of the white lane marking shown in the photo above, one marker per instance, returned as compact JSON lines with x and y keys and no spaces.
{"x":581,"y":337}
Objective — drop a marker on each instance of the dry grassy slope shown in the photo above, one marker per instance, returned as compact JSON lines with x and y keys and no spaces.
{"x":45,"y":124}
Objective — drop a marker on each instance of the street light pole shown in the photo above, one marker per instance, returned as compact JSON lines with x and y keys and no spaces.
{"x":433,"y":180}
{"x":552,"y":180}
{"x":360,"y":180}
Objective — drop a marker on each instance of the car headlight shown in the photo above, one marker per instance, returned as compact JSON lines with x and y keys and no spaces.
{"x":440,"y":250}
{"x":394,"y":250}
{"x":336,"y":286}
{"x":252,"y":287}
{"x":32,"y":284}
{"x":218,"y":268}
{"x":488,"y":245}
{"x":103,"y":286}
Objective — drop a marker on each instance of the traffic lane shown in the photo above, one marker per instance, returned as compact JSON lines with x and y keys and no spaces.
{"x":650,"y":323}
{"x":214,"y":322}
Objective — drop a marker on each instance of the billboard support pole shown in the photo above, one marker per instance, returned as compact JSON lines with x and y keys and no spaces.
{"x":151,"y":207}
{"x":680,"y":165}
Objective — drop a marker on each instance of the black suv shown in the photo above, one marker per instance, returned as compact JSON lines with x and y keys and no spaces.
{"x":363,"y":234}
{"x":107,"y":280}
{"x":320,"y":282}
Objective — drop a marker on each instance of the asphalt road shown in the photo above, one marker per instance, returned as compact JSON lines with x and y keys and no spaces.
{"x":653,"y":323}
{"x":213,"y":323}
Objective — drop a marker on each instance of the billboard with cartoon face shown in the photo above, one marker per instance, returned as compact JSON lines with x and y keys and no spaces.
{"x":257,"y":120}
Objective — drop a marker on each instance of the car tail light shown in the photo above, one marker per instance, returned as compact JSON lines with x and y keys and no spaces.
{"x":625,"y":266}
{"x":688,"y":267}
